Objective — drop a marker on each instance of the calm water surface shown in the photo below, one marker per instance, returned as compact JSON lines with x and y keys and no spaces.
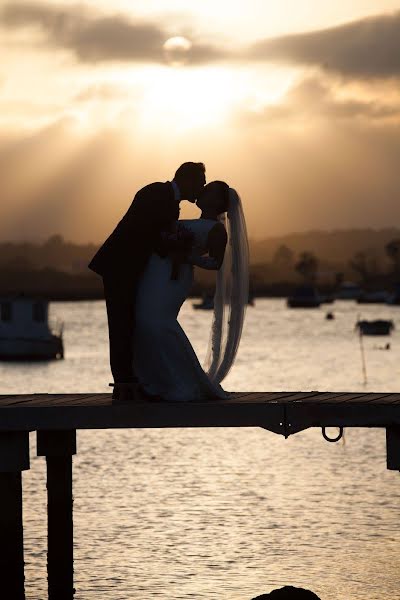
{"x":226,"y":514}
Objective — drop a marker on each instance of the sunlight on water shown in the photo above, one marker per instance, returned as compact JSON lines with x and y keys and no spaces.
{"x":226,"y":514}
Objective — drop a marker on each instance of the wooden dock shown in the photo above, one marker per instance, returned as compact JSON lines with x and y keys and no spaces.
{"x":56,"y":417}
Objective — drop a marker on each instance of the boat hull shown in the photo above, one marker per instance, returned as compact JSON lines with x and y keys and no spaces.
{"x":31,"y":349}
{"x":378,"y":327}
{"x":303,"y":303}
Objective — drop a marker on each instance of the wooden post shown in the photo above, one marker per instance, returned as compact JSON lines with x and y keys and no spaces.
{"x":58,"y":448}
{"x":14,"y":458}
{"x":393,"y":447}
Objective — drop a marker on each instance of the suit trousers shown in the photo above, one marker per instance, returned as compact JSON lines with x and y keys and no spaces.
{"x":120,"y":303}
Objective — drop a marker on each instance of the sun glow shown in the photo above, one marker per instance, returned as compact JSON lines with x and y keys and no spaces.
{"x":182,"y":99}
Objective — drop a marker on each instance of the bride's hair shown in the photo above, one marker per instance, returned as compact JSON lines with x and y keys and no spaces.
{"x":222,"y":190}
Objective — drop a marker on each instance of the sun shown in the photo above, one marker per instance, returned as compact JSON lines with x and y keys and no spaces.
{"x":176,"y":50}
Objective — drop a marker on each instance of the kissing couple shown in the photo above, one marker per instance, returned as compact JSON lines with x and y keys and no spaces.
{"x":147,"y":269}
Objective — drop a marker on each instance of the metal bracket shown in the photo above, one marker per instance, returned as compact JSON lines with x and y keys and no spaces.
{"x":333,"y":440}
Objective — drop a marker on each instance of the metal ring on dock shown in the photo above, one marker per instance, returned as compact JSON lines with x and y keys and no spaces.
{"x":336,"y":439}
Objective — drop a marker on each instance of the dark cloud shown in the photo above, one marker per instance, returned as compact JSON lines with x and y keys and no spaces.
{"x":94,"y":37}
{"x":361,"y":49}
{"x":367,"y":48}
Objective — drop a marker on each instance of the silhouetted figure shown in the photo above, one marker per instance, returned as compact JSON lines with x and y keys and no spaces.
{"x":121,"y":260}
{"x":166,"y":364}
{"x":288,"y":593}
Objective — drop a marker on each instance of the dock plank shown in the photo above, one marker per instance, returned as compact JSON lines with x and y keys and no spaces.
{"x":364,"y":399}
{"x":386,"y":399}
{"x":53,"y":399}
{"x":261,"y":397}
{"x":282,"y":412}
{"x":314,"y":397}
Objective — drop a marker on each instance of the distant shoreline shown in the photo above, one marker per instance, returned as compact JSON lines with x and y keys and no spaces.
{"x":60,"y":286}
{"x":88,"y":297}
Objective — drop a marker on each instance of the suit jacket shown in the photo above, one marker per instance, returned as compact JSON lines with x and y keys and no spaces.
{"x":127,"y":250}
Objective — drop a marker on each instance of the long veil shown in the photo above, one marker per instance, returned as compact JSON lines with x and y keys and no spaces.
{"x":231,"y":294}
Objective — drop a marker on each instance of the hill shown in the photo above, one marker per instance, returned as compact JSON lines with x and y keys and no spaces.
{"x":332,"y":246}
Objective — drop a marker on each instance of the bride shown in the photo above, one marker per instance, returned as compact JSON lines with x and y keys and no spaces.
{"x":165,"y":362}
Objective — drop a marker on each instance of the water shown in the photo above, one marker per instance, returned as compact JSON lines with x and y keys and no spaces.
{"x":226,"y":514}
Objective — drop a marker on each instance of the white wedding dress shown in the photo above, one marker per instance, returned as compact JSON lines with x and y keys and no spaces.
{"x":165,"y":362}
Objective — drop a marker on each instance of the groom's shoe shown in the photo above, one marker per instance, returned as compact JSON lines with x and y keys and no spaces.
{"x":126,"y":392}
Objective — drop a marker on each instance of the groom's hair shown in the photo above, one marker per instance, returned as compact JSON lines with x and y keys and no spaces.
{"x":190,"y":169}
{"x":289,"y":593}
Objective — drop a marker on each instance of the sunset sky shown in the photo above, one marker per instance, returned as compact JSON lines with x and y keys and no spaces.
{"x":296,"y":104}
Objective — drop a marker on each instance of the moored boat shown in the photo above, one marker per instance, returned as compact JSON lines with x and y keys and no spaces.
{"x":305,"y":296}
{"x":377,"y":327}
{"x":377,"y":297}
{"x":348,"y":291}
{"x":25,"y":333}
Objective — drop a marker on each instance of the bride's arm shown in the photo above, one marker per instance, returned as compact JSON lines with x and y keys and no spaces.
{"x":217,"y":239}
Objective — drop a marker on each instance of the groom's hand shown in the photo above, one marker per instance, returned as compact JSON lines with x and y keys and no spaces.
{"x":180,"y":240}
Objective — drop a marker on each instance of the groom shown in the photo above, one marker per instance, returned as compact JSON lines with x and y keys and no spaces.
{"x":123,"y":257}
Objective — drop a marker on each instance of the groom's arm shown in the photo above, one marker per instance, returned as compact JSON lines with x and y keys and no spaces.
{"x":174,"y":240}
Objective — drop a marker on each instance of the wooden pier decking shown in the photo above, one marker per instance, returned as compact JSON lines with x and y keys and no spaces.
{"x":284,"y":413}
{"x":56,"y":417}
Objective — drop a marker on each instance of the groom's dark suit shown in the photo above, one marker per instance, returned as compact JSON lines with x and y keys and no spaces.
{"x":121,"y":261}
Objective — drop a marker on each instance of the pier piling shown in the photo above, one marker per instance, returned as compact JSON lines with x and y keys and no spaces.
{"x":14,"y":458}
{"x":393,"y":447}
{"x":58,"y":447}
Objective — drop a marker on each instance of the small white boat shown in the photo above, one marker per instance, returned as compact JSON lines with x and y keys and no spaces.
{"x":25,"y":333}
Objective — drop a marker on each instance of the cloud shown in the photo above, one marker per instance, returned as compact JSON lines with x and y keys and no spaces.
{"x":324,"y":157}
{"x":64,"y":172}
{"x":294,"y":172}
{"x":101,"y":91}
{"x":317,"y":98}
{"x":94,"y":37}
{"x":366,"y":48}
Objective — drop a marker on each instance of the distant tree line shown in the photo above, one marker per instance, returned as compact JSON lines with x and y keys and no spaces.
{"x":365,"y":265}
{"x":58,"y":268}
{"x":55,"y":253}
